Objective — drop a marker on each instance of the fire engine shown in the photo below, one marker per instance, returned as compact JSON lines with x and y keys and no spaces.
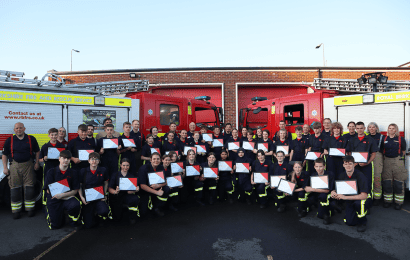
{"x":43,"y":104}
{"x":332,"y":100}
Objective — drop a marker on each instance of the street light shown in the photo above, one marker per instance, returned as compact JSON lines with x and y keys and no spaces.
{"x":317,"y":47}
{"x":72,"y":58}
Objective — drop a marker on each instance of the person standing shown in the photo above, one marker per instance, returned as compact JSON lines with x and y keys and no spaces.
{"x":138,"y":137}
{"x":80,"y":143}
{"x":19,"y":150}
{"x":107,"y":121}
{"x":374,"y":132}
{"x":62,"y":133}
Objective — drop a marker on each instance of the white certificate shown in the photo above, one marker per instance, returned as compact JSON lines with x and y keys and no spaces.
{"x":311,"y":156}
{"x":233,"y":146}
{"x":200,"y":148}
{"x":274,"y":180}
{"x":260,"y":177}
{"x":218,"y":143}
{"x":2,"y":176}
{"x":346,"y":187}
{"x":54,"y":152}
{"x":319,"y":182}
{"x":286,"y":186}
{"x":156,"y":178}
{"x":210,"y":172}
{"x":128,"y":184}
{"x":110,"y":143}
{"x":207,"y":137}
{"x":58,"y":187}
{"x":242,"y":167}
{"x":263,"y":146}
{"x":337,"y":152}
{"x":283,"y":148}
{"x":128,"y":143}
{"x":192,"y":170}
{"x":248,"y":145}
{"x":225,"y":165}
{"x":174,"y":181}
{"x":155,"y":150}
{"x":83,"y":155}
{"x":187,"y":148}
{"x":360,"y":157}
{"x":94,"y":194}
{"x":177,"y":167}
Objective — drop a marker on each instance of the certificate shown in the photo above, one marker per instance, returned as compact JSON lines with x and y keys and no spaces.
{"x":156,"y":178}
{"x":193,"y":170}
{"x":83,"y":155}
{"x":110,"y":143}
{"x":249,"y":146}
{"x":337,"y":151}
{"x":346,"y":187}
{"x":311,"y":156}
{"x":360,"y":157}
{"x":274,"y":180}
{"x":225,"y":165}
{"x":286,"y":186}
{"x":54,"y":152}
{"x":177,"y":167}
{"x":242,"y":167}
{"x":174,"y":181}
{"x":233,"y":146}
{"x":283,"y":148}
{"x":200,"y":148}
{"x":59,"y":187}
{"x":92,"y":194}
{"x":187,"y":148}
{"x":128,"y":184}
{"x":218,"y":143}
{"x":263,"y":146}
{"x":319,"y":182}
{"x":128,"y":143}
{"x":211,"y":173}
{"x":155,"y":150}
{"x":167,"y":152}
{"x":207,"y":137}
{"x":260,"y":177}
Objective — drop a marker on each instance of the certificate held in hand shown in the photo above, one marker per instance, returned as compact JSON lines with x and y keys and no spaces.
{"x":311,"y":156}
{"x":274,"y":180}
{"x":92,"y":194}
{"x":260,"y":177}
{"x":193,"y":170}
{"x":207,"y":137}
{"x":110,"y":143}
{"x":54,"y":152}
{"x":286,"y":186}
{"x":249,"y":146}
{"x":283,"y":148}
{"x":337,"y":152}
{"x":155,"y":150}
{"x":218,"y":143}
{"x":211,"y":173}
{"x":233,"y":146}
{"x":319,"y":182}
{"x":83,"y":155}
{"x":128,"y":184}
{"x":242,"y":167}
{"x":200,"y":148}
{"x":360,"y":157}
{"x":59,"y":187}
{"x":174,"y":181}
{"x":177,"y":167}
{"x":346,"y":187}
{"x":156,"y":178}
{"x":129,"y":143}
{"x":263,"y":146}
{"x":225,"y":165}
{"x":167,"y":152}
{"x":187,"y":148}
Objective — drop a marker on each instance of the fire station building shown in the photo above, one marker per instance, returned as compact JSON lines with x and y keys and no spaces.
{"x":233,"y":87}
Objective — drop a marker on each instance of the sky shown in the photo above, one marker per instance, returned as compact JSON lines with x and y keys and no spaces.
{"x":37,"y":36}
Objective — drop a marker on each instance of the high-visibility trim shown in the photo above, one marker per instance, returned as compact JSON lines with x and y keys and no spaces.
{"x":47,"y":98}
{"x":173,"y":194}
{"x":233,"y":189}
{"x":75,"y":219}
{"x":48,"y":218}
{"x":163,"y":199}
{"x":199,"y":189}
{"x":324,"y":204}
{"x":133,"y":208}
{"x":281,"y":197}
{"x":212,"y":188}
{"x":305,"y":198}
{"x":362,"y":210}
{"x":118,"y":102}
{"x":150,"y":203}
{"x":371,"y":192}
{"x":248,"y":193}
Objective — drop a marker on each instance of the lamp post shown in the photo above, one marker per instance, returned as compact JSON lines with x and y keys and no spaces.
{"x":72,"y":58}
{"x":317,"y":47}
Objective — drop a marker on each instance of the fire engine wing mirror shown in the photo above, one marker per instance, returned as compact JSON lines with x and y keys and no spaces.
{"x":256,"y":111}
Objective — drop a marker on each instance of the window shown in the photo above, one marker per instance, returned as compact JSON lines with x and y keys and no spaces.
{"x":169,"y":114}
{"x":260,"y":119}
{"x":294,"y":114}
{"x":205,"y":116}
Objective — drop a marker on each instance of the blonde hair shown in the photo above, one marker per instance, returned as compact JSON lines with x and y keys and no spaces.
{"x":374,"y":124}
{"x":396,"y":128}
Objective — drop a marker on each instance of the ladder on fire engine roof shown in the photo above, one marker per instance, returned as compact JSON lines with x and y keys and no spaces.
{"x":15,"y":79}
{"x":351,"y":85}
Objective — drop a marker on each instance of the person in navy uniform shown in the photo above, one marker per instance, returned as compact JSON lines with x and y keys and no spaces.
{"x":298,"y":147}
{"x":364,"y":143}
{"x":327,"y":125}
{"x":173,"y":129}
{"x":233,"y":154}
{"x":20,"y":150}
{"x":192,"y":129}
{"x":271,"y":146}
{"x":262,"y":165}
{"x":49,"y":163}
{"x":282,"y":141}
{"x":351,"y":126}
{"x":281,"y":167}
{"x":244,"y":134}
{"x":227,"y":131}
{"x":128,"y":152}
{"x":80,"y":143}
{"x":226,"y":180}
{"x":301,"y":179}
{"x":109,"y":157}
{"x":154,"y":133}
{"x":316,"y":141}
{"x":62,"y":133}
{"x":394,"y":172}
{"x":288,"y":135}
{"x":173,"y":192}
{"x":93,"y":177}
{"x":153,"y":196}
{"x":374,"y":132}
{"x":356,"y":205}
{"x":58,"y":203}
{"x":258,"y":135}
{"x":90,"y":134}
{"x":201,"y":157}
{"x":107,"y":121}
{"x":210,"y":183}
{"x":128,"y":197}
{"x":184,"y":141}
{"x":244,"y":179}
{"x":138,"y":137}
{"x":193,"y":185}
{"x":321,"y":195}
{"x":171,"y":144}
{"x":249,"y":153}
{"x":217,"y":135}
{"x":146,"y":149}
{"x":335,"y":140}
{"x":306,"y":133}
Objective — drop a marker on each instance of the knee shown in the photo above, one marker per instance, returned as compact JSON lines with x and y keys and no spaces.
{"x":398,"y":186}
{"x":387,"y":186}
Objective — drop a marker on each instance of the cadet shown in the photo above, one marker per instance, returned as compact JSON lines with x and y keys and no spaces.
{"x":128,"y":152}
{"x":62,"y":133}
{"x":262,"y":165}
{"x":356,"y":205}
{"x":94,"y":177}
{"x":184,"y":141}
{"x":140,"y":138}
{"x":67,"y":201}
{"x":249,"y":153}
{"x":154,"y":133}
{"x":351,"y":126}
{"x":306,"y":132}
{"x":301,"y":179}
{"x":173,"y":129}
{"x":394,"y":172}
{"x":316,"y":141}
{"x":227,"y":131}
{"x":173,"y":192}
{"x":233,"y":154}
{"x":192,"y":184}
{"x":298,"y":147}
{"x":80,"y":143}
{"x":107,"y":121}
{"x":210,"y":183}
{"x":244,"y":179}
{"x":146,"y":149}
{"x":271,"y":146}
{"x":282,"y":141}
{"x":281,"y":167}
{"x":171,"y":144}
{"x":217,"y":135}
{"x":200,"y":157}
{"x":374,"y":132}
{"x":322,"y":195}
{"x":288,"y":135}
{"x":225,"y":183}
{"x":153,"y":196}
{"x":335,"y":163}
{"x":118,"y":197}
{"x":109,"y":157}
{"x":19,"y":150}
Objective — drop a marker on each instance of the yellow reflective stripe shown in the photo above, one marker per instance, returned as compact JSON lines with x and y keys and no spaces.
{"x":163,"y":199}
{"x":362,"y":211}
{"x":133,"y":208}
{"x":305,"y":198}
{"x":212,"y":188}
{"x":371,"y":192}
{"x":173,"y":194}
{"x":327,"y":201}
{"x":150,"y":203}
{"x":281,"y":197}
{"x":248,"y":193}
{"x":199,"y":189}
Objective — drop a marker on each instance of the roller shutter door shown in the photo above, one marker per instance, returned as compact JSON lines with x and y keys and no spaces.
{"x":382,"y":114}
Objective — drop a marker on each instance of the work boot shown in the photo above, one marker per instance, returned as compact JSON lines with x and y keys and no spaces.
{"x":158,"y":212}
{"x":386,"y":205}
{"x":326,"y":220}
{"x":31,"y":213}
{"x":302,"y":214}
{"x":397,"y":206}
{"x":281,"y":208}
{"x":376,"y":202}
{"x":16,"y":215}
{"x":361,"y":227}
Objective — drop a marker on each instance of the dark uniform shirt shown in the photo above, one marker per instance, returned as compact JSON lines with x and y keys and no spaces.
{"x":138,"y":137}
{"x":348,"y":136}
{"x":109,"y":154}
{"x":316,"y":143}
{"x":266,"y":166}
{"x":303,"y":180}
{"x":332,"y":142}
{"x":127,"y":154}
{"x":271,"y":147}
{"x":282,"y":169}
{"x":390,"y":147}
{"x":50,"y":163}
{"x":276,"y":137}
{"x":21,"y":148}
{"x":55,"y":174}
{"x":361,"y":180}
{"x":299,"y":147}
{"x":146,"y":149}
{"x":367,"y":145}
{"x":144,"y":170}
{"x":232,"y":154}
{"x":78,"y":144}
{"x":93,"y":180}
{"x":327,"y":134}
{"x":218,"y":150}
{"x":330,"y":177}
{"x":167,"y":147}
{"x":379,"y":139}
{"x":115,"y":180}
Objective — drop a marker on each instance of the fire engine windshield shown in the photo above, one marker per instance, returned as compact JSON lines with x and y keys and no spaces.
{"x":205,"y":116}
{"x":260,"y":119}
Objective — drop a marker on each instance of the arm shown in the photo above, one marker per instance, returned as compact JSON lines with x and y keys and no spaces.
{"x":65,"y":194}
{"x":37,"y":165}
{"x":4,"y":158}
{"x":150,"y":190}
{"x":372,"y":156}
{"x":361,"y":196}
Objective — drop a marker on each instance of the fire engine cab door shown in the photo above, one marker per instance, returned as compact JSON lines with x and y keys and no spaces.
{"x":169,"y":112}
{"x":382,"y":114}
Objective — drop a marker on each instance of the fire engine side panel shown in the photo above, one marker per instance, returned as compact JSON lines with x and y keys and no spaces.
{"x":37,"y":119}
{"x":135,"y":109}
{"x":329,"y":109}
{"x":81,"y":115}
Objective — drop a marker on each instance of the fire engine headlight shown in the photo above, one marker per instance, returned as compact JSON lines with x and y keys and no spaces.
{"x":99,"y":100}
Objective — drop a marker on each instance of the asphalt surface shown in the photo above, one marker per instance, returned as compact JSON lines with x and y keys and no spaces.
{"x":220,"y":231}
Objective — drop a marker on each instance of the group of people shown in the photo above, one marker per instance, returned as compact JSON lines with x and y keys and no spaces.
{"x":203,"y":168}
